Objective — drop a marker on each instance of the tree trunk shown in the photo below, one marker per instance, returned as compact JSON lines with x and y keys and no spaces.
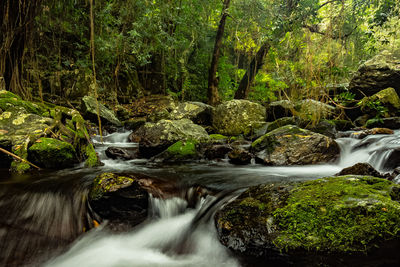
{"x":16,"y":27}
{"x":212,"y":93}
{"x":248,"y":78}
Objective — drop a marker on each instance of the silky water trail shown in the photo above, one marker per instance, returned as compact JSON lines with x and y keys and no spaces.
{"x":43,"y":215}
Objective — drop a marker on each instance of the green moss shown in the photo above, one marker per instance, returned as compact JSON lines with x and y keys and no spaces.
{"x":339,"y":214}
{"x":108,"y":182}
{"x":20,"y":167}
{"x":52,"y":153}
{"x":218,"y":137}
{"x":182,"y":149}
{"x":92,"y":160}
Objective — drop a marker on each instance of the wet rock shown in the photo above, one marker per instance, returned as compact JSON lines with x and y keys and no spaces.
{"x":121,"y":199}
{"x":239,"y":157}
{"x":52,"y":154}
{"x":122,"y":153}
{"x":361,"y":169}
{"x":153,"y":138}
{"x":378,"y":73}
{"x":217,"y":151}
{"x":392,"y":160}
{"x":89,"y":110}
{"x":325,"y":127}
{"x":237,"y":117}
{"x":364,"y":133}
{"x":197,"y":112}
{"x":291,"y":145}
{"x":333,"y":217}
{"x":179,"y":152}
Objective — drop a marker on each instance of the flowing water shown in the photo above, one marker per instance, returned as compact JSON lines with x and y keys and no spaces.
{"x":44,"y":217}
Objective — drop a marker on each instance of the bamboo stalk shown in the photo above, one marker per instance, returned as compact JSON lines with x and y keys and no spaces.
{"x":18,"y":158}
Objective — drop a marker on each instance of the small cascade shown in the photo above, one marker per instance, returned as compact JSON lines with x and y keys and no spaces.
{"x":156,"y":243}
{"x":378,"y":150}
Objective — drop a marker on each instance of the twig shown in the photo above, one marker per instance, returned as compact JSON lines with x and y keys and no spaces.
{"x":19,"y":158}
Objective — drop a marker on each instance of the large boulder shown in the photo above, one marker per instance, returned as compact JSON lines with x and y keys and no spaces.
{"x":197,"y":112}
{"x":334,"y":217}
{"x":89,"y":110}
{"x":237,"y":117}
{"x":52,"y":154}
{"x":154,"y":138}
{"x":291,"y":145}
{"x":378,"y":73}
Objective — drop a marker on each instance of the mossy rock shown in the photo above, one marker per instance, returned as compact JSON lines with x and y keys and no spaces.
{"x":344,"y":215}
{"x":180,"y":151}
{"x":10,"y":100}
{"x":107,"y":183}
{"x":120,"y":199}
{"x":291,"y":145}
{"x":52,"y":153}
{"x":237,"y":117}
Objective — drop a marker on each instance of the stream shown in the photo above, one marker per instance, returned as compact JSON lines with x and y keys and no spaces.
{"x":43,"y":214}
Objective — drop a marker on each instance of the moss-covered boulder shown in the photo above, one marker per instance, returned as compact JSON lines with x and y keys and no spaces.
{"x":291,"y":145}
{"x":325,"y":127}
{"x":237,"y":117}
{"x":378,"y":73}
{"x":119,"y":198}
{"x":89,"y":110}
{"x":197,"y":112}
{"x":153,"y":138}
{"x":331,"y":216}
{"x":9,"y":100}
{"x":179,"y":152}
{"x":52,"y":154}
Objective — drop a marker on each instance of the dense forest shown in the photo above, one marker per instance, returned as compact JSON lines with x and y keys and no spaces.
{"x":192,"y":50}
{"x":200,"y":133}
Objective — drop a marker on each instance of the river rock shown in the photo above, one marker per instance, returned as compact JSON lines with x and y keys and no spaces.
{"x":121,"y":199}
{"x":237,"y":117}
{"x":217,"y":151}
{"x":361,"y":169}
{"x":331,"y":217}
{"x":197,"y":112}
{"x":378,"y":73}
{"x":89,"y":110}
{"x":153,"y":138}
{"x":121,"y":153}
{"x":181,"y":151}
{"x":291,"y":145}
{"x":364,"y":133}
{"x":239,"y":156}
{"x":52,"y":154}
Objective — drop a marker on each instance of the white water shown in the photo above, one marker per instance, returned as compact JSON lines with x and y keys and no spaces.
{"x":152,"y":244}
